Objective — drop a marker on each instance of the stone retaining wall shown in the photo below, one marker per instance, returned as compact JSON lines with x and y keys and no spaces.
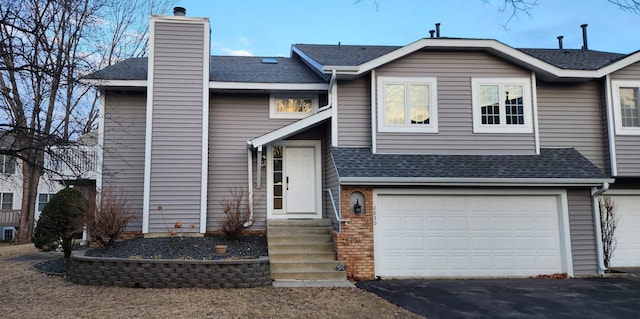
{"x":169,"y":273}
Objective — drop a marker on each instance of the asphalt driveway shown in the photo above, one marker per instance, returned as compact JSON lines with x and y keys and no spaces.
{"x":514,"y":298}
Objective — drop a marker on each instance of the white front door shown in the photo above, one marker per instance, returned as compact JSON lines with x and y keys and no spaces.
{"x":294,"y":179}
{"x":300,"y":180}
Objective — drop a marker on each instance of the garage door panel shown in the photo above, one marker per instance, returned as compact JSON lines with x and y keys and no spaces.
{"x":467,"y":236}
{"x":627,"y":234}
{"x":457,"y":224}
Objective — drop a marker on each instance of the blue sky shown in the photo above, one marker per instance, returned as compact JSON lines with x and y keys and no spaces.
{"x":268,"y":28}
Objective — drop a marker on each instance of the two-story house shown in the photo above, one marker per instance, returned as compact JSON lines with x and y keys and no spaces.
{"x":74,"y":164}
{"x":446,"y":157}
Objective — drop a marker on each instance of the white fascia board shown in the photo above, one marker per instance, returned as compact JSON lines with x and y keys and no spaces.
{"x":269,"y":86}
{"x":628,"y":60}
{"x":308,"y":59}
{"x":493,"y":46}
{"x":342,"y":69}
{"x":426,"y":181}
{"x":290,"y":129}
{"x":115,"y":83}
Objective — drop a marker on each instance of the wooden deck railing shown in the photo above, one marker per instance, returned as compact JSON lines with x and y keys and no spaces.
{"x":9,"y":218}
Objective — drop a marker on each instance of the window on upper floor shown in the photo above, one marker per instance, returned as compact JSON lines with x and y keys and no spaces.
{"x":501,"y":105}
{"x":6,"y":200}
{"x":407,"y":104}
{"x":7,"y":164}
{"x":626,"y":107}
{"x":287,"y":106}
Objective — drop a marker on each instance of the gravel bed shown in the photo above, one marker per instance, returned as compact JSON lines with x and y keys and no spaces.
{"x":196,"y":248}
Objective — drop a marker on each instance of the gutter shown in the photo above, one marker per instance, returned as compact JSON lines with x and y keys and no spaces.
{"x":595,"y":192}
{"x":250,"y":147}
{"x":450,"y":181}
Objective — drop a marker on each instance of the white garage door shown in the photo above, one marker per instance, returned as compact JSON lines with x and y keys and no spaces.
{"x":627,"y":234}
{"x":466,"y":236}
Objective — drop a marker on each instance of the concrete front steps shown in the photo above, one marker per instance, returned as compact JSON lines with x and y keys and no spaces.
{"x":302,"y":253}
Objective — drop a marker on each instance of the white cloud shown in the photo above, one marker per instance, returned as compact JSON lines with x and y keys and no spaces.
{"x":241,"y":52}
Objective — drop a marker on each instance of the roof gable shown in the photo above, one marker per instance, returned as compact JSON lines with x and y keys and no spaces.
{"x":547,"y":63}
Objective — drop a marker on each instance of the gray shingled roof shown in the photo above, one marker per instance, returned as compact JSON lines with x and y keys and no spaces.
{"x":354,"y":55}
{"x":129,"y":69}
{"x":574,"y":59}
{"x":223,"y":69}
{"x":251,"y":69}
{"x":344,"y":55}
{"x":553,"y":163}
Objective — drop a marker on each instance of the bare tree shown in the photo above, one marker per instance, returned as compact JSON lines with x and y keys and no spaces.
{"x":608,"y":224}
{"x":628,"y":5}
{"x":46,"y":46}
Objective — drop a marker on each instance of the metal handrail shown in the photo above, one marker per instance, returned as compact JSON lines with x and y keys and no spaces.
{"x":335,"y":211}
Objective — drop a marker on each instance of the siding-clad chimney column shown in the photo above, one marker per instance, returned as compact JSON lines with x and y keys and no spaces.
{"x":177,"y":125}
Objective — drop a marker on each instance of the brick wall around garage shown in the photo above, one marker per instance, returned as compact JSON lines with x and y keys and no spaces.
{"x":354,"y":244}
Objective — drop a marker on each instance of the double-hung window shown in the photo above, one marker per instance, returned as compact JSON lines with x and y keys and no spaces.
{"x":501,"y":105}
{"x":626,"y":107}
{"x":407,"y":104}
{"x":7,"y":164}
{"x":286,"y":106}
{"x":6,"y":200}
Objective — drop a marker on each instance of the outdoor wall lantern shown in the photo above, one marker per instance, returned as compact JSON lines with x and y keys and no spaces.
{"x":356,"y":202}
{"x":357,"y":208}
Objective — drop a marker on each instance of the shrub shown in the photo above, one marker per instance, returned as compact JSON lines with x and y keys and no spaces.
{"x":60,"y":221}
{"x":107,"y":219}
{"x":237,"y":210}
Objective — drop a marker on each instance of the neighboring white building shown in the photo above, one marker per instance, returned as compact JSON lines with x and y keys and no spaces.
{"x":75,"y":164}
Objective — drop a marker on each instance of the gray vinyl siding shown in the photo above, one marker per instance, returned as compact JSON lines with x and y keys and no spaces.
{"x":123,"y":159}
{"x":331,"y":183}
{"x":570,"y":115}
{"x":628,"y":146}
{"x":583,"y":244}
{"x":454,"y":71}
{"x":354,"y":112}
{"x":233,"y":120}
{"x":176,"y":145}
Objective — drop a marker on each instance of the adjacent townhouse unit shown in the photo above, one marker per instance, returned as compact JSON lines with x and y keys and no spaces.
{"x":75,"y":164}
{"x":446,"y":157}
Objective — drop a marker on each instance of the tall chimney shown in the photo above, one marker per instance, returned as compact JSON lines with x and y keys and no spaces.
{"x":560,"y":37}
{"x":437,"y":30}
{"x":431,"y":32}
{"x":179,"y":11}
{"x":585,"y":47}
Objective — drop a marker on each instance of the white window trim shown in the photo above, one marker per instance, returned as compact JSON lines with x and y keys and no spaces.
{"x":292,"y":115}
{"x":478,"y":127}
{"x":2,"y":199}
{"x":432,"y":127}
{"x":617,"y":111}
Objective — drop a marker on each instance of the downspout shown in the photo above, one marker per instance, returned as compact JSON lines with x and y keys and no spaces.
{"x":250,"y":184}
{"x":249,"y":222}
{"x":332,"y":82}
{"x":595,"y":192}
